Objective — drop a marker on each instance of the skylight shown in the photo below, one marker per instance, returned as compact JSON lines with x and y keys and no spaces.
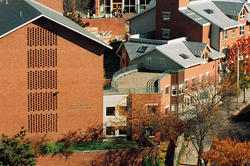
{"x":209,"y":11}
{"x":184,"y":56}
{"x":142,"y":49}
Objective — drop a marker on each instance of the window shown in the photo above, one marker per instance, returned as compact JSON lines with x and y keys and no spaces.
{"x":242,"y":30}
{"x":173,"y":107}
{"x":122,"y":130}
{"x":166,"y":33}
{"x":209,"y":11}
{"x":201,"y":79}
{"x":167,"y":90}
{"x":184,"y":56}
{"x":242,"y":15}
{"x":148,"y":60}
{"x":205,"y":56}
{"x":207,"y":77}
{"x":162,"y":61}
{"x":150,"y":132}
{"x":180,"y":89}
{"x":233,"y":33}
{"x":224,"y":35}
{"x":110,"y":130}
{"x":166,"y":16}
{"x":151,"y":108}
{"x":193,"y":82}
{"x":186,"y":84}
{"x":142,"y":49}
{"x":167,"y":110}
{"x":174,"y":90}
{"x":110,"y":111}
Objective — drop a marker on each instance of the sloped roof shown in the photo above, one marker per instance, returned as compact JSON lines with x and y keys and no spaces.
{"x":196,"y":48}
{"x":194,"y":16}
{"x":230,"y":8}
{"x":215,"y":54}
{"x":18,"y":13}
{"x":133,"y":45}
{"x":216,"y":16}
{"x":175,"y":51}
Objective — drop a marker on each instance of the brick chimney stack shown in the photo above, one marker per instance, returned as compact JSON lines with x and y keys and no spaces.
{"x":53,"y":4}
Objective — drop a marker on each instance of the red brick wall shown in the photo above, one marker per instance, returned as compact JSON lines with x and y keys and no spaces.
{"x":165,"y":98}
{"x":80,"y":73}
{"x":102,"y":158}
{"x":53,"y":4}
{"x":116,"y":25}
{"x":193,"y":31}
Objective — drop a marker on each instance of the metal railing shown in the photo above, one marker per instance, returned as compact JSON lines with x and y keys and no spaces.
{"x":122,"y":72}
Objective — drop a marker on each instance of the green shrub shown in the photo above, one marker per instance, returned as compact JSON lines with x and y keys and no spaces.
{"x":49,"y":148}
{"x":67,"y":149}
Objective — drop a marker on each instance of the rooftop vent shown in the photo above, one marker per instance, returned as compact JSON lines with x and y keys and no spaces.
{"x":184,"y":56}
{"x":142,"y":49}
{"x":209,"y":11}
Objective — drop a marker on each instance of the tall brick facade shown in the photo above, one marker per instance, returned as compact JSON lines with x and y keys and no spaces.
{"x":51,"y":81}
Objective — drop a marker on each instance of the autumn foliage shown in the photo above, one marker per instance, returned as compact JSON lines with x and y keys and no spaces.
{"x":228,"y":152}
{"x":244,"y":63}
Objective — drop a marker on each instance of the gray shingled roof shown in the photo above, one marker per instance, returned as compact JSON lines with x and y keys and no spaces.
{"x":18,"y":13}
{"x":216,"y":55}
{"x":196,"y":48}
{"x":217,"y":17}
{"x":134,"y":44}
{"x":194,"y":16}
{"x":230,"y":8}
{"x":175,"y":50}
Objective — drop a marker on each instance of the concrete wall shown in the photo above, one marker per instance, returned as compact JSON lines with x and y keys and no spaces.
{"x":79,"y":83}
{"x":143,"y":23}
{"x":113,"y":101}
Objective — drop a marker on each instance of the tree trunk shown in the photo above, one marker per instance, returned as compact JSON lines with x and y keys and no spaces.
{"x":169,"y":158}
{"x":199,"y":163}
{"x":244,"y":97}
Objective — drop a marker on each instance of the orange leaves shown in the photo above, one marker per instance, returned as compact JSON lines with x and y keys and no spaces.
{"x":228,"y":152}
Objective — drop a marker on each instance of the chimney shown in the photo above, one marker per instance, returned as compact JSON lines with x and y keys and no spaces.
{"x":53,"y":4}
{"x":183,"y":3}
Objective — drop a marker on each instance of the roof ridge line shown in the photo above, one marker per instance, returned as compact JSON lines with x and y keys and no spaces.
{"x":45,"y":6}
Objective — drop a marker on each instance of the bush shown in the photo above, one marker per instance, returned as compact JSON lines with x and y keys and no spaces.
{"x":49,"y":148}
{"x":67,"y":149}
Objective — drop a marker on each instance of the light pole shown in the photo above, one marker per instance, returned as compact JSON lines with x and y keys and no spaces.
{"x":238,"y":76}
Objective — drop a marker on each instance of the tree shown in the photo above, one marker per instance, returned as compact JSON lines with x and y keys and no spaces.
{"x":228,"y":152}
{"x":145,"y":121}
{"x":203,"y":115}
{"x":244,"y":64}
{"x":16,"y":151}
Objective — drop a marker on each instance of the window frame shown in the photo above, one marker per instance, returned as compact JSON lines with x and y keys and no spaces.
{"x":224,"y":35}
{"x":173,"y":106}
{"x":193,"y":83}
{"x":181,"y":89}
{"x":201,"y":78}
{"x":207,"y":77}
{"x":242,"y":30}
{"x":167,"y":86}
{"x":112,"y":128}
{"x":110,"y":114}
{"x":233,"y":33}
{"x":174,"y":90}
{"x":166,"y":31}
{"x":243,"y":14}
{"x":186,"y":86}
{"x":168,"y":16}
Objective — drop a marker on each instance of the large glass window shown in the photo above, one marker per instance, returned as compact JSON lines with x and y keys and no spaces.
{"x":110,"y":111}
{"x":174,"y":90}
{"x":130,"y":6}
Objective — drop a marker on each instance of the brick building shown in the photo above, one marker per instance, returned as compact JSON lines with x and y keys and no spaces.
{"x":219,"y":23}
{"x":51,"y":72}
{"x":162,"y":72}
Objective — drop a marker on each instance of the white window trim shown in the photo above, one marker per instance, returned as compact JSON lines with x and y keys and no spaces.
{"x":192,"y":82}
{"x":201,"y":80}
{"x":242,"y":16}
{"x":168,"y":89}
{"x":166,"y":19}
{"x":207,"y":73}
{"x":181,"y":85}
{"x":172,"y":90}
{"x":224,"y":35}
{"x":233,"y":33}
{"x":172,"y":107}
{"x":243,"y":29}
{"x":185,"y":83}
{"x":166,"y":30}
